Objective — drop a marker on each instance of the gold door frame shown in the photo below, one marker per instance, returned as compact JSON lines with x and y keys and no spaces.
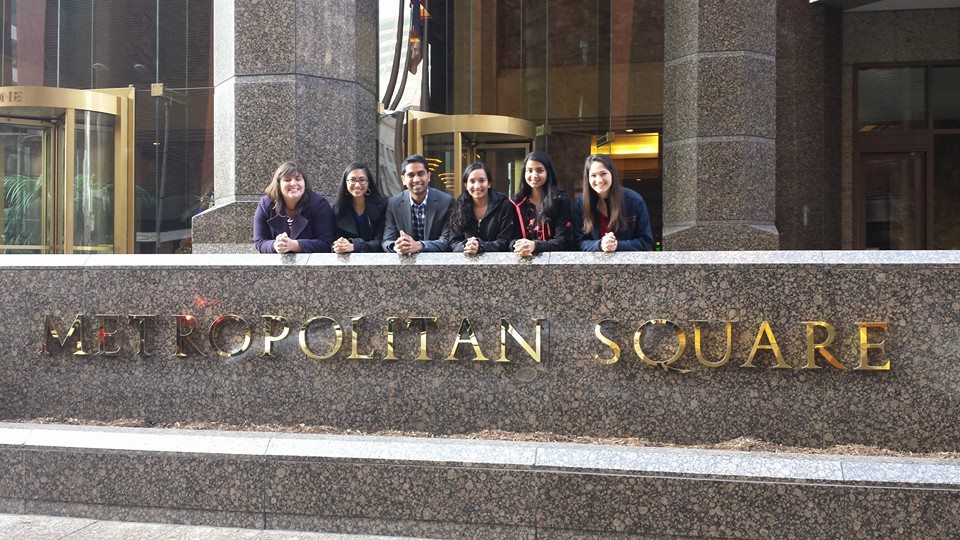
{"x":117,"y":102}
{"x":421,"y":124}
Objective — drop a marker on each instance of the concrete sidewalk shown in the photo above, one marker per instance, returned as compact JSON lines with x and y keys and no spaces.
{"x":30,"y":527}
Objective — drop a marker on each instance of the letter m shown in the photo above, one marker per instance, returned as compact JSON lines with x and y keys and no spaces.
{"x":52,"y":335}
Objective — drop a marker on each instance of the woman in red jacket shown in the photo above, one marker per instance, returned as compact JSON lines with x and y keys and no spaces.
{"x":543,"y":209}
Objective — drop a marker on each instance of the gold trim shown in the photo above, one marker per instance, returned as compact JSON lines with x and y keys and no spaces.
{"x":69,"y":177}
{"x":117,"y":102}
{"x":478,"y":123}
{"x":420,"y":124}
{"x":100,"y":100}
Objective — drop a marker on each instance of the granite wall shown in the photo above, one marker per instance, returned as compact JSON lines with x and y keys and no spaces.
{"x":568,"y":392}
{"x":446,"y":488}
{"x":294,"y":80}
{"x":809,"y":45}
{"x":869,"y":37}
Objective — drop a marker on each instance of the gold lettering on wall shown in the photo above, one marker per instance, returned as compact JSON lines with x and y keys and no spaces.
{"x":215,"y":330}
{"x":76,"y":332}
{"x":507,"y":328}
{"x":141,"y":322}
{"x":337,"y":342}
{"x":866,"y":346}
{"x":813,"y":348}
{"x":185,"y":344}
{"x":354,"y":355}
{"x":766,"y":332}
{"x":820,"y":338}
{"x":390,"y":355}
{"x":641,"y":331}
{"x":598,"y":332}
{"x":422,"y":323}
{"x":471,"y":339}
{"x":104,"y":335}
{"x":270,"y":324}
{"x":728,"y":330}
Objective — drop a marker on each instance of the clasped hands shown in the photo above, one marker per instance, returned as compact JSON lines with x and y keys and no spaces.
{"x":285,"y":244}
{"x":471,"y":246}
{"x":342,"y":245}
{"x":608,"y":244}
{"x":406,"y":245}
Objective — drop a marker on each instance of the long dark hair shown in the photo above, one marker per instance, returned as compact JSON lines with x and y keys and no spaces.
{"x":551,"y":188}
{"x":614,"y":197}
{"x":463,"y":218}
{"x":285,"y":170}
{"x":345,"y":199}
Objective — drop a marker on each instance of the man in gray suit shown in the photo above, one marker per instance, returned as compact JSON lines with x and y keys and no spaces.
{"x":418,"y":218}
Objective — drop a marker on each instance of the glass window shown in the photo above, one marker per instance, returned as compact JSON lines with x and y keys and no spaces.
{"x":945,"y":97}
{"x":891,"y":98}
{"x":946,"y":191}
{"x":891,"y":181}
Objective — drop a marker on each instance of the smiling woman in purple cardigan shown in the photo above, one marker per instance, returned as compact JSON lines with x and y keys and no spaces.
{"x":290,"y":217}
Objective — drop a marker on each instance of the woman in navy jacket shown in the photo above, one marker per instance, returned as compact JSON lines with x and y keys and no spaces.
{"x":290,"y":217}
{"x":482,"y":220}
{"x":360,"y":212}
{"x":607,"y":216}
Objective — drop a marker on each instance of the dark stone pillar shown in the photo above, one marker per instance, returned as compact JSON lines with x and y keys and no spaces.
{"x":719,"y":149}
{"x":294,"y":79}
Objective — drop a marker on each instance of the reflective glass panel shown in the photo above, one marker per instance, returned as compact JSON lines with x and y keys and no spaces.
{"x":945,"y":97}
{"x":891,"y":98}
{"x":438,"y":150}
{"x":25,"y":160}
{"x":946,"y":191}
{"x":93,"y":183}
{"x":891,"y":182}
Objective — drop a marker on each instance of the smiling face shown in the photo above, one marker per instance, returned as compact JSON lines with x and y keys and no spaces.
{"x":357,"y":183}
{"x":600,"y":179}
{"x":535,"y":174}
{"x":291,"y":187}
{"x":478,"y":185}
{"x":417,"y":179}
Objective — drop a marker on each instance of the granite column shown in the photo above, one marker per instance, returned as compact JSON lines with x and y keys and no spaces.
{"x":719,"y":141}
{"x":294,"y":80}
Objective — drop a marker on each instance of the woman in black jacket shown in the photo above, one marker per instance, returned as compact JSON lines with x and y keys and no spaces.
{"x":542,"y":207}
{"x":482,"y":219}
{"x":360,"y":212}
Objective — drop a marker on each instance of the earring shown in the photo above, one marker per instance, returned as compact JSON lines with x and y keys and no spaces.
{"x":368,"y":192}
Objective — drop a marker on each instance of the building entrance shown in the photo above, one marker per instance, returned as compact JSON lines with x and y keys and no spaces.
{"x":67,"y":164}
{"x":451,"y":142}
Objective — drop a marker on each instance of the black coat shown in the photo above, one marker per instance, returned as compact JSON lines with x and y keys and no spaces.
{"x":494,"y":230}
{"x":552,"y":232}
{"x":375,"y":214}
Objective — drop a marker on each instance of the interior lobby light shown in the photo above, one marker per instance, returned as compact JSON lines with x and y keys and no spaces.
{"x":632,"y":145}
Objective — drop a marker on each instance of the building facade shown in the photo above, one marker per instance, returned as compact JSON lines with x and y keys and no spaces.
{"x":745,"y":125}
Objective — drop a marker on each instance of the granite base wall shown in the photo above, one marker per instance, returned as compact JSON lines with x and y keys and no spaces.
{"x":568,"y":392}
{"x":468,"y":489}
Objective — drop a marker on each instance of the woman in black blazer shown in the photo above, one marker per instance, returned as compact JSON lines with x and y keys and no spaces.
{"x":359,"y":212}
{"x":482,"y":219}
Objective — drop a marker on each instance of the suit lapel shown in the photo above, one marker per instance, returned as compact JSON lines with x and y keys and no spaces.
{"x":405,"y":213}
{"x":428,"y":214}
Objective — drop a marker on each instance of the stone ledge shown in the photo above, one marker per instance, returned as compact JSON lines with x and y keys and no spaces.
{"x":928,"y":258}
{"x":651,"y":484}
